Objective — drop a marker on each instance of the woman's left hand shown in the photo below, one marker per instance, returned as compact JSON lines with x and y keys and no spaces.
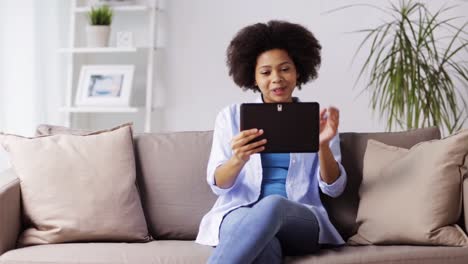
{"x":329,"y":121}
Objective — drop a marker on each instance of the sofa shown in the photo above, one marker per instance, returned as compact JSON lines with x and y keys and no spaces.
{"x":175,"y":196}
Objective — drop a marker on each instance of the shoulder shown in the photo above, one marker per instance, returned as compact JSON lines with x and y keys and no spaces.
{"x":228,"y":118}
{"x":229,"y":111}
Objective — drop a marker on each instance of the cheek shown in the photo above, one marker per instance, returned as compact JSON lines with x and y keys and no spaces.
{"x":261,"y":82}
{"x":293,"y":80}
{"x":263,"y":87}
{"x":293,"y":76}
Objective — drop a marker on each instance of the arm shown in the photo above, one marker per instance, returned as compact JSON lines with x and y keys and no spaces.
{"x":329,"y":170}
{"x":329,"y":121}
{"x":229,"y":152}
{"x":226,"y":174}
{"x":10,"y":214}
{"x":335,"y":188}
{"x":331,"y":174}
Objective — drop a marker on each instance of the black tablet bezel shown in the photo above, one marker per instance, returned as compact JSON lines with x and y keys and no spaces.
{"x":288,"y":127}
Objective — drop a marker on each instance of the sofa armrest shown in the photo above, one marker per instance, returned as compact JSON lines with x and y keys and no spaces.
{"x":10,"y":210}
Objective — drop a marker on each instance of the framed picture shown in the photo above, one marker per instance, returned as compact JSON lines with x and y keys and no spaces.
{"x":104,"y":85}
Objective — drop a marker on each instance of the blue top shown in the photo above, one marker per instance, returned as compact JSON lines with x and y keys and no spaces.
{"x":275,"y":169}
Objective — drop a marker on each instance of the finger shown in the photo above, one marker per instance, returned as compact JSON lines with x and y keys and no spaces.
{"x":334,"y":125}
{"x":333,"y":119}
{"x":245,"y":133}
{"x":333,"y":111}
{"x":242,"y":134}
{"x":257,"y":150}
{"x":253,"y":145}
{"x":242,"y":141}
{"x":323,"y":123}
{"x":322,"y":113}
{"x":333,"y":116}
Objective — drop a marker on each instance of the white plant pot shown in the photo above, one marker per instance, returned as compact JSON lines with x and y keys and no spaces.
{"x":97,"y":36}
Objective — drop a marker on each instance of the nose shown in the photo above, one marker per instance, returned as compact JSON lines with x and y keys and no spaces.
{"x":277,"y":77}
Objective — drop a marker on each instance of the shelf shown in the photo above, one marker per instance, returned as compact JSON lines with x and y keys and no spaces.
{"x":99,"y":109}
{"x":98,"y":50}
{"x":126,"y":8}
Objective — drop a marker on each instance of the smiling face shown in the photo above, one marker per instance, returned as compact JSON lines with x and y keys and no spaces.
{"x":275,"y":76}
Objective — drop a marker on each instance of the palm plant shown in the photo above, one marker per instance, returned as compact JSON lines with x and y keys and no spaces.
{"x":414,"y":67}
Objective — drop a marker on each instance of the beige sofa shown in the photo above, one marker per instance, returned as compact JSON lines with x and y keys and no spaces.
{"x":175,"y":196}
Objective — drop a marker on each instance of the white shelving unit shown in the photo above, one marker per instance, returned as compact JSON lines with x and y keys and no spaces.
{"x":141,"y":10}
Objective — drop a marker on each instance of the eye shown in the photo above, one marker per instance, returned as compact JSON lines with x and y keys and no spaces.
{"x":285,"y":69}
{"x":264,"y":72}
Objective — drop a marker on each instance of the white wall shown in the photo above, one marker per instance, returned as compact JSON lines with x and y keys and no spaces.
{"x":30,"y":70}
{"x":17,"y":61}
{"x":31,"y":74}
{"x":196,"y":84}
{"x":192,"y":82}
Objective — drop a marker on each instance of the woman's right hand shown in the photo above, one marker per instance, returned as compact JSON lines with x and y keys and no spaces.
{"x":240,"y":147}
{"x":226,"y":174}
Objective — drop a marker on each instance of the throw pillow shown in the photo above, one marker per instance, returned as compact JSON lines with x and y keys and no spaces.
{"x":413,"y":196}
{"x":78,"y":188}
{"x":47,"y":130}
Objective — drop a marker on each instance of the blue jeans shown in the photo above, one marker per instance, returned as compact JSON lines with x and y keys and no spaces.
{"x":264,"y":231}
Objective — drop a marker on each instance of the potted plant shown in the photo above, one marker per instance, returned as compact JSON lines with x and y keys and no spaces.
{"x":417,"y":76}
{"x":98,"y":29}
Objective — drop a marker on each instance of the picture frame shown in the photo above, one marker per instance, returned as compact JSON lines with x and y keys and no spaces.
{"x":105,"y":85}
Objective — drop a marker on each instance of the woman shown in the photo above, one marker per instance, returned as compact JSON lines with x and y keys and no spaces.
{"x":269,"y":204}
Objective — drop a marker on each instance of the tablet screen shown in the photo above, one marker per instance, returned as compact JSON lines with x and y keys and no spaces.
{"x":288,"y":127}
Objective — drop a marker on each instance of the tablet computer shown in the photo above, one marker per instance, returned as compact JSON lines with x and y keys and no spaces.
{"x":288,"y":127}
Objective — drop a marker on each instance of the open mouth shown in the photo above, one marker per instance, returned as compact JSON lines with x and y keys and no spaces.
{"x":279,"y":91}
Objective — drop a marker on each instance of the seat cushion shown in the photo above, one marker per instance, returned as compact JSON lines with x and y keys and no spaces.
{"x":171,"y":251}
{"x":110,"y":253}
{"x":343,"y":209}
{"x":386,"y":255}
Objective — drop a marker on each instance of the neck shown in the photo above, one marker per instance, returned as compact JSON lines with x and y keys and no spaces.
{"x":291,"y":100}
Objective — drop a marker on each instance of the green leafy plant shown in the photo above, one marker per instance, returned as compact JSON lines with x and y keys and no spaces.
{"x":100,"y":16}
{"x":416,"y":75}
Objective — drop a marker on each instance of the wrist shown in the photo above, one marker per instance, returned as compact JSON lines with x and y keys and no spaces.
{"x":324,"y":145}
{"x":235,"y":161}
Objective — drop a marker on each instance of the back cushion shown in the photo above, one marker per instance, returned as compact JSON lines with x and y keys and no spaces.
{"x":343,"y":210}
{"x":172,"y":181}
